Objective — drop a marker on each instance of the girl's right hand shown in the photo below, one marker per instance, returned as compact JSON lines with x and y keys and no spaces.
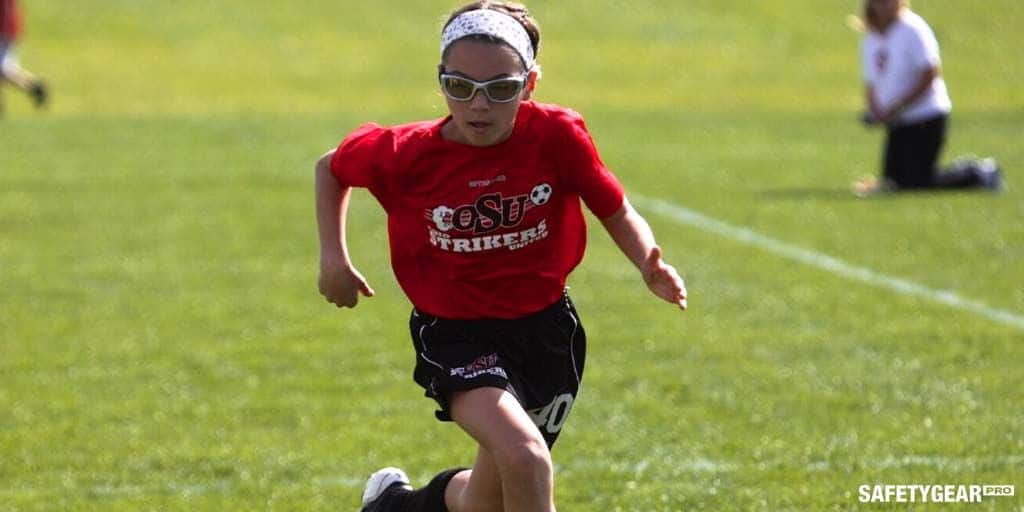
{"x":341,"y":284}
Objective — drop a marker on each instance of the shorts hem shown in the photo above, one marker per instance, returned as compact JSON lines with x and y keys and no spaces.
{"x":442,"y":395}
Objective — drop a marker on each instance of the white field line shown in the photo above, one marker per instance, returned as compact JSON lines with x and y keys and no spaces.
{"x":822,"y":261}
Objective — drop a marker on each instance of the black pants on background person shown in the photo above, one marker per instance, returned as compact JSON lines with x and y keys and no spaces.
{"x":912,"y":152}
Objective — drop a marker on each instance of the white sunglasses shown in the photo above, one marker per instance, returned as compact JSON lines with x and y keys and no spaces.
{"x":500,"y":90}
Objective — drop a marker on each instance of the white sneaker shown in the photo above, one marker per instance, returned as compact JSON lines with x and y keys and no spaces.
{"x":379,"y":482}
{"x":991,"y":176}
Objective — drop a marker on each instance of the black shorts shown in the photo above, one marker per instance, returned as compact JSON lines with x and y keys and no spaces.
{"x":912,"y":152}
{"x":538,"y":359}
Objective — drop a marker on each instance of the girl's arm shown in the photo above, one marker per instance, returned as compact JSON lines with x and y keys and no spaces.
{"x":918,"y":90}
{"x":636,"y":240}
{"x":875,"y":109}
{"x":340,"y":282}
{"x":884,"y":114}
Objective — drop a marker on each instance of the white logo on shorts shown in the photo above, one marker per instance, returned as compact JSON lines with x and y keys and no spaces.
{"x":482,"y":365}
{"x":551,"y":417}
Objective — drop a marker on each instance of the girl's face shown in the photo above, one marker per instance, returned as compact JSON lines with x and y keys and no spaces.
{"x":480,"y":121}
{"x":885,"y":11}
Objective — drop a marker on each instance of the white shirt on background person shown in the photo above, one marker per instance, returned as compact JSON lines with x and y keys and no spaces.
{"x":893,"y":62}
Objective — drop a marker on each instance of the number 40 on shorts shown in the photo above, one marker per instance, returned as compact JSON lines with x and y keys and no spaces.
{"x":552,"y":416}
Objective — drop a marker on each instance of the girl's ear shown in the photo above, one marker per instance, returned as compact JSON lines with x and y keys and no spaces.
{"x":531,"y":84}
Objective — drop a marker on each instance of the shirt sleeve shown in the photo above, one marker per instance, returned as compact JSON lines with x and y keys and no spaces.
{"x":587,"y":174}
{"x":361,"y":158}
{"x":924,"y":48}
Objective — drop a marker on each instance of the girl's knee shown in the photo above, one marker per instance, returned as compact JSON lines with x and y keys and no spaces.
{"x":530,"y":456}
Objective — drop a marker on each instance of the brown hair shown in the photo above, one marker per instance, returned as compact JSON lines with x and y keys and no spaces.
{"x":871,"y":17}
{"x":515,"y":10}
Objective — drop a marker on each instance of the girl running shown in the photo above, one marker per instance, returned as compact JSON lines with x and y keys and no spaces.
{"x":485,"y":225}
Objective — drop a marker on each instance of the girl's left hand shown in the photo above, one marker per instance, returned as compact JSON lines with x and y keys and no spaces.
{"x":663,"y":280}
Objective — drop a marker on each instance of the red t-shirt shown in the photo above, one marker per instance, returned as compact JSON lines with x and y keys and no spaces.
{"x":10,"y":21}
{"x":483,"y":232}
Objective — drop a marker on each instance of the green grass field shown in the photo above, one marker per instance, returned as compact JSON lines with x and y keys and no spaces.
{"x":163,"y":345}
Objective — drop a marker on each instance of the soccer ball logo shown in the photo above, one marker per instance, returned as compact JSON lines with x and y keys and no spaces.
{"x":442,"y":217}
{"x":540,"y":194}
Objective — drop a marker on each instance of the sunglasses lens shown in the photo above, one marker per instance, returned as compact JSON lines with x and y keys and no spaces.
{"x":504,"y":90}
{"x":457,"y":88}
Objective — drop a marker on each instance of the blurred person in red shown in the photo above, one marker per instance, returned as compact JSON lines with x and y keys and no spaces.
{"x":10,"y":69}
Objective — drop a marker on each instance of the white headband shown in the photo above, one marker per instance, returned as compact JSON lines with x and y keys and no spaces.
{"x":494,"y":24}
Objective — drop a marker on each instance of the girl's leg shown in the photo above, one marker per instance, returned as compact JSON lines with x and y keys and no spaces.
{"x":971,"y":173}
{"x":24,"y":80}
{"x":512,"y":447}
{"x":966,"y":174}
{"x":912,"y":152}
{"x":476,"y":489}
{"x":931,"y":138}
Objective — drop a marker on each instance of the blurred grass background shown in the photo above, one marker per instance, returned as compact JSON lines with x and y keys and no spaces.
{"x":163,"y":345}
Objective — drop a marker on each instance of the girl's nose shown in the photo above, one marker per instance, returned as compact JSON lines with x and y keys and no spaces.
{"x":479,"y":101}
